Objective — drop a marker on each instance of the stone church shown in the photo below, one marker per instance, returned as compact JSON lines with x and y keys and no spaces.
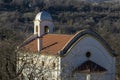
{"x":82,"y":56}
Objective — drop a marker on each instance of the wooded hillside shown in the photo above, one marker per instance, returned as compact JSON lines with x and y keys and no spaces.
{"x":69,"y":16}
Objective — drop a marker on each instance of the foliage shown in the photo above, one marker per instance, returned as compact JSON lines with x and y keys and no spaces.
{"x":16,"y":20}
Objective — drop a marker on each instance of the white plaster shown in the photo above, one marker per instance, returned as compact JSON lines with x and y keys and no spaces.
{"x":39,"y":42}
{"x":77,"y":55}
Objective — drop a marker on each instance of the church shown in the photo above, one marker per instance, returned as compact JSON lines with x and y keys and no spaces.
{"x":82,"y":56}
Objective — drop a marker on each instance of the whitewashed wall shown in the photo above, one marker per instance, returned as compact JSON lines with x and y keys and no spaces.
{"x":77,"y":55}
{"x":41,"y":25}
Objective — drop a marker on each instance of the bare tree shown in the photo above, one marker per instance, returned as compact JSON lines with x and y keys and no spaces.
{"x":36,"y":66}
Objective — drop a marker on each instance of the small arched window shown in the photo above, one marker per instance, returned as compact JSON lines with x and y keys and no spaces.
{"x":37,"y":28}
{"x":46,"y":29}
{"x":42,"y":78}
{"x":42,"y":63}
{"x":53,"y":64}
{"x":32,"y":61}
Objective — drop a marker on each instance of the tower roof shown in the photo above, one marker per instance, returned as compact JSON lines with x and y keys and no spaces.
{"x":43,"y":15}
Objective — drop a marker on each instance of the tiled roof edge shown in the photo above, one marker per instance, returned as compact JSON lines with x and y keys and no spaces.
{"x":31,"y":38}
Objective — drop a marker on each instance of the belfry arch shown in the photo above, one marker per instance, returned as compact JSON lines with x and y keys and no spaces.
{"x":46,"y":29}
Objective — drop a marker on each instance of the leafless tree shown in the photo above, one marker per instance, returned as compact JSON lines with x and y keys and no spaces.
{"x":36,"y":66}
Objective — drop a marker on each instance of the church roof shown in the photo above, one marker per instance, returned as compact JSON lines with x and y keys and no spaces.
{"x":43,"y":16}
{"x":51,"y":43}
{"x":59,"y":43}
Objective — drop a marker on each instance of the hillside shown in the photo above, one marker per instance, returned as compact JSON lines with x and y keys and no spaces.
{"x":16,"y":20}
{"x":99,"y":1}
{"x":96,"y":0}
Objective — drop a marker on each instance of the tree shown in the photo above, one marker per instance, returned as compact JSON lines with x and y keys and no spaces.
{"x":36,"y":66}
{"x":9,"y":39}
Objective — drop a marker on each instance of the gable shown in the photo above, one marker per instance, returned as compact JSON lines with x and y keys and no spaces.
{"x":82,"y":34}
{"x":83,"y":43}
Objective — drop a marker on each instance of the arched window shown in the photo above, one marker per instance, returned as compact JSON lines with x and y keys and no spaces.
{"x":42,"y":78}
{"x":32,"y":61}
{"x":42,"y":63}
{"x":46,"y":29}
{"x":37,"y":28}
{"x":53,"y":64}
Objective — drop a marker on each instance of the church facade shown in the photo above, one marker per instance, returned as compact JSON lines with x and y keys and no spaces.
{"x":83,"y":56}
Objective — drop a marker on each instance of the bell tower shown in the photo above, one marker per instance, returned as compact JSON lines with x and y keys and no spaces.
{"x":43,"y":24}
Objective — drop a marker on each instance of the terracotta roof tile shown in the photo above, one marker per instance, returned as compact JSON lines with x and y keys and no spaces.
{"x":51,"y":43}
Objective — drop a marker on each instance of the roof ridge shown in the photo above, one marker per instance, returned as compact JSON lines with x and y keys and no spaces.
{"x":61,"y":34}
